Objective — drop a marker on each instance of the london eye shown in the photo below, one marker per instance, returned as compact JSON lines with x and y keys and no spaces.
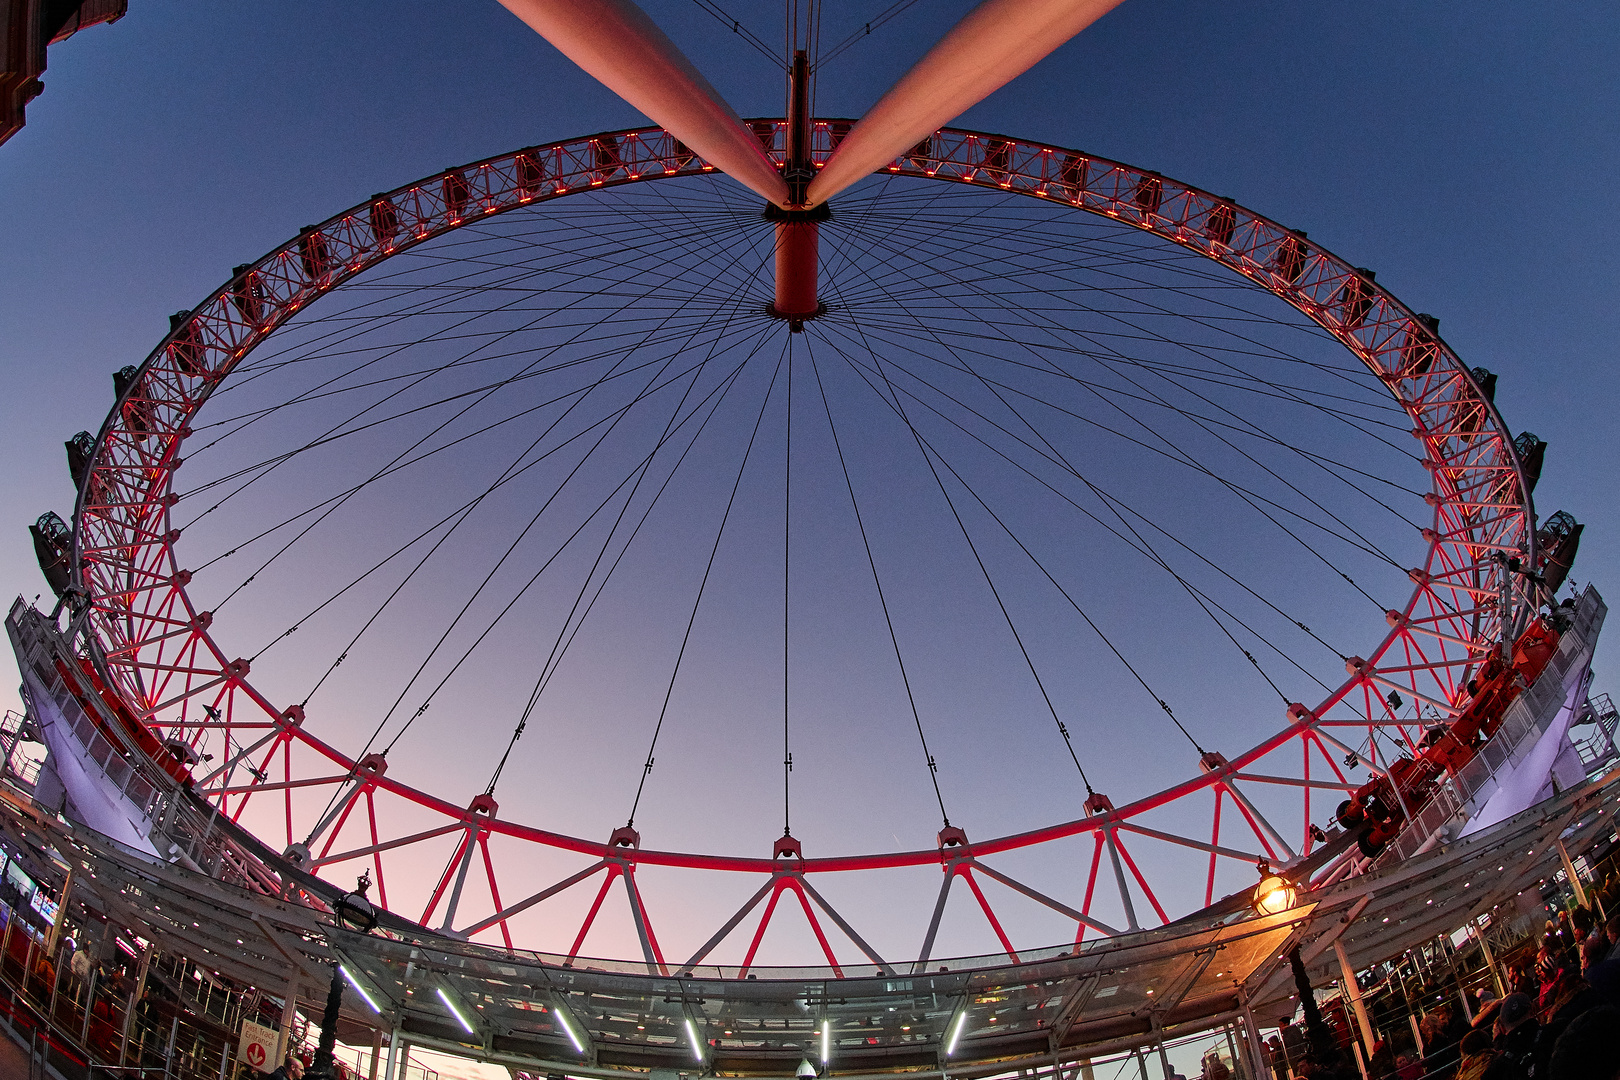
{"x":999,"y":550}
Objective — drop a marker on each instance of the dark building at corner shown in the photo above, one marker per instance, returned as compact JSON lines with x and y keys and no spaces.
{"x":27,"y":28}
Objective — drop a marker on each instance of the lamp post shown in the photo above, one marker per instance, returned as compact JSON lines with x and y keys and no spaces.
{"x":353,"y":911}
{"x":1274,"y":895}
{"x":1316,"y":1030}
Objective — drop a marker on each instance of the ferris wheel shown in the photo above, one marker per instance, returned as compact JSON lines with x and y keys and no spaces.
{"x":1089,"y":534}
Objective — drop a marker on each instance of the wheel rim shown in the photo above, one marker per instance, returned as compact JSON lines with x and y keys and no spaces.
{"x":161,"y":654}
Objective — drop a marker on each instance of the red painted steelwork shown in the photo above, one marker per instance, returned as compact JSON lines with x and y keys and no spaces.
{"x":1379,"y":806}
{"x":167,"y":668}
{"x":796,"y":270}
{"x":797,"y":232}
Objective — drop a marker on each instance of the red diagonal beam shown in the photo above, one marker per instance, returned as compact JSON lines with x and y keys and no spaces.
{"x":984,"y":905}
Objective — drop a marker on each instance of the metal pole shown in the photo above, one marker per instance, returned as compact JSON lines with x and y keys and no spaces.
{"x":1490,"y":959}
{"x":393,"y":1049}
{"x":67,"y":893}
{"x":1119,"y":877}
{"x":1141,"y":1062}
{"x":28,"y":963}
{"x":1158,"y":1041}
{"x":461,"y":879}
{"x":1251,"y":1069}
{"x":1361,"y":1061}
{"x":56,"y":987}
{"x":5,"y":939}
{"x":1353,"y":990}
{"x":289,"y":1010}
{"x":1257,"y":1049}
{"x":1569,"y":868}
{"x":134,"y":1000}
{"x":168,"y":1055}
{"x":376,"y":1051}
{"x":89,"y":1006}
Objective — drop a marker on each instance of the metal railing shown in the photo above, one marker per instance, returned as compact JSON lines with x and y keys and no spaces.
{"x":1599,"y":750}
{"x":181,"y":827}
{"x":96,"y":1026}
{"x":124,"y":771}
{"x":1530,"y":715}
{"x":16,"y":765}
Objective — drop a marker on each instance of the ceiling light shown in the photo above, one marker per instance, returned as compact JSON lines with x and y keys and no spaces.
{"x":444,"y":997}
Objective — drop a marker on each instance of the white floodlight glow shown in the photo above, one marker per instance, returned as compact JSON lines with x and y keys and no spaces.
{"x":562,"y":1018}
{"x":956,"y":1032}
{"x":826,"y":1041}
{"x":455,"y":1012}
{"x":691,"y":1033}
{"x":361,"y":990}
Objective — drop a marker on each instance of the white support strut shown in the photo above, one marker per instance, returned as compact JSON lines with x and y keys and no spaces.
{"x":616,"y":44}
{"x":993,"y":44}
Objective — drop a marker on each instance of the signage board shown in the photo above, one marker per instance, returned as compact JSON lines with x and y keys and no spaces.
{"x":258,"y":1047}
{"x":44,"y":905}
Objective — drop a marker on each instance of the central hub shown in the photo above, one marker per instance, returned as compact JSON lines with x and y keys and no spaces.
{"x":797,"y":227}
{"x":796,"y":262}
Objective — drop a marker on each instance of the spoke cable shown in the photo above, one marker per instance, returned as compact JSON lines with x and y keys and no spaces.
{"x":570,"y":627}
{"x":923,"y":449}
{"x":691,"y":621}
{"x":877,"y":582}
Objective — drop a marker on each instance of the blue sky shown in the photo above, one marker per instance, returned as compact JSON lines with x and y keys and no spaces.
{"x":1461,"y":152}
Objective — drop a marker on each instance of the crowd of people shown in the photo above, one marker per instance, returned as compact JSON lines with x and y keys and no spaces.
{"x":1560,"y":1019}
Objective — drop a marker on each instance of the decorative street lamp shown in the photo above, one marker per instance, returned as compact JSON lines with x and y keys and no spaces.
{"x":353,"y":911}
{"x":1275,"y":894}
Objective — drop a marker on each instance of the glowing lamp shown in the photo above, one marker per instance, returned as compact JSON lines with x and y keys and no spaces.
{"x":1274,"y":895}
{"x":691,"y":1034}
{"x":354,"y":911}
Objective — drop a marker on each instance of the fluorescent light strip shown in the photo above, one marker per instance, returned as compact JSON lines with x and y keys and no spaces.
{"x":691,"y":1033}
{"x":562,"y":1018}
{"x":956,"y":1032}
{"x":354,"y":982}
{"x":444,"y":997}
{"x":826,"y":1040}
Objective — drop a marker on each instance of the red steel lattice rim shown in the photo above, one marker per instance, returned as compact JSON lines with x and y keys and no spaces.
{"x":165,"y":663}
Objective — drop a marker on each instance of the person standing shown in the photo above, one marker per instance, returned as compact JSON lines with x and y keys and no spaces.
{"x":1513,"y":1039}
{"x":1381,"y":1064}
{"x":1278,"y":1058}
{"x":1588,"y":1049}
{"x":1477,"y":1055}
{"x":1293,"y":1043}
